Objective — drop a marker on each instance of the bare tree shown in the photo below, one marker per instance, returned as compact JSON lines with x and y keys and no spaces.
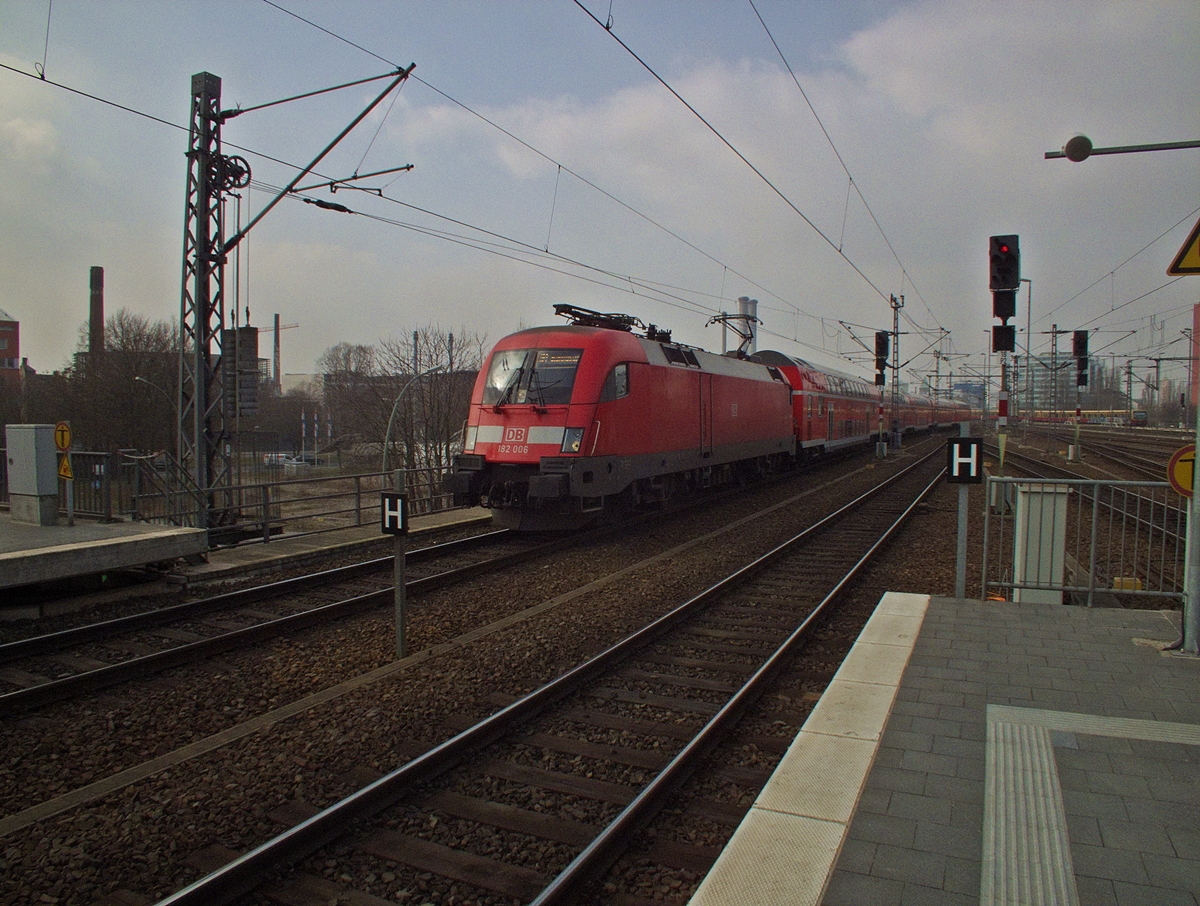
{"x":107,"y":407}
{"x":356,"y":392}
{"x":363,"y":385}
{"x":430,"y":417}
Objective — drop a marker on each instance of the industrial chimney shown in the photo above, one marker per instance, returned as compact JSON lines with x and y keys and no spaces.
{"x":748,"y":308}
{"x":96,"y":315}
{"x":275,"y":364}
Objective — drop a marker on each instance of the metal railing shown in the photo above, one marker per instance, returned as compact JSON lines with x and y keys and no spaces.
{"x":308,"y":506}
{"x":1088,"y":541}
{"x":129,"y":486}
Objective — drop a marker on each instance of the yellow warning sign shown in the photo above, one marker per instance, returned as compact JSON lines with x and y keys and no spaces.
{"x":1188,"y":259}
{"x":64,"y":468}
{"x":1181,"y":470}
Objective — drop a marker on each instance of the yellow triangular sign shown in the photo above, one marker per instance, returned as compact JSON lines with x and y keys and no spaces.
{"x":64,"y":468}
{"x":1188,"y":259}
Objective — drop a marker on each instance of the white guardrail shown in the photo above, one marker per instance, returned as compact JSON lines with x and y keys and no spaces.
{"x":1091,"y":542}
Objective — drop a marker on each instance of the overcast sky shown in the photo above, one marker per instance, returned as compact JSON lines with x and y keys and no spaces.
{"x":549,"y":166}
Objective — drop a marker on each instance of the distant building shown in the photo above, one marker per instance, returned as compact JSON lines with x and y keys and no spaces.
{"x":970,"y":391}
{"x":312,"y":385}
{"x":10,"y":353}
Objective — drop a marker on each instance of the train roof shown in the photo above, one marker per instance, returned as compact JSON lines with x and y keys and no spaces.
{"x":783,"y":360}
{"x":654,"y":350}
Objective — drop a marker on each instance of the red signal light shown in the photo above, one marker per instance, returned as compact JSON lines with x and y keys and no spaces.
{"x":1005,"y":262}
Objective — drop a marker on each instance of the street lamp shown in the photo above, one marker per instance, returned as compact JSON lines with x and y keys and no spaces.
{"x":141,"y":380}
{"x":396,"y":405}
{"x":1079,"y":148}
{"x":138,"y":379}
{"x":1028,"y":355}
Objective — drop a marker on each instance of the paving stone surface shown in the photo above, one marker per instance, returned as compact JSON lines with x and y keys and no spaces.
{"x":1131,"y":805}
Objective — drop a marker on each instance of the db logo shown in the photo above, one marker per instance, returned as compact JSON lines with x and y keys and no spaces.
{"x":514,"y":435}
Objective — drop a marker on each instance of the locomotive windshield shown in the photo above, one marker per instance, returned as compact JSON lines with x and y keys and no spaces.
{"x":540,"y":377}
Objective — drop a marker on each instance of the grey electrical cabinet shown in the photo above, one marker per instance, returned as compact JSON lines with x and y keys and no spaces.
{"x":32,"y":473}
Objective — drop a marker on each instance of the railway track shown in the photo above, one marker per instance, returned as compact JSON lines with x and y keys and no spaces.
{"x":535,"y":802}
{"x":60,"y":666}
{"x":1143,"y":462}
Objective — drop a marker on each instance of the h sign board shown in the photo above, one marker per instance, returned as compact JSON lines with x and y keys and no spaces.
{"x":393,"y":513}
{"x":964,"y":460}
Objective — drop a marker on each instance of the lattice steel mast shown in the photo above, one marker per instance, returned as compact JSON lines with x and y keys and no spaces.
{"x":204,"y":452}
{"x":202,"y":305}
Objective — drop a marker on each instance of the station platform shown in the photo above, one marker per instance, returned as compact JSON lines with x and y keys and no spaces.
{"x":972,"y":752}
{"x":30,"y":554}
{"x":224,"y":563}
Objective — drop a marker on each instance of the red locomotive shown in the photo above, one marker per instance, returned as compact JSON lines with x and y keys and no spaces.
{"x":568,"y":423}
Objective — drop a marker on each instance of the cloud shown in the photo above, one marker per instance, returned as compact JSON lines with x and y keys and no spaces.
{"x":941,"y":111}
{"x":27,"y":139}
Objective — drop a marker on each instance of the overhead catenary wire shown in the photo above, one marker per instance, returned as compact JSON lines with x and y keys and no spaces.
{"x":1117,"y":302}
{"x":737,"y":153}
{"x":46,"y":47}
{"x":1110,"y":273}
{"x":560,"y":167}
{"x":682,"y":303}
{"x":852,"y":184}
{"x":507,"y":133}
{"x":506,"y":246}
{"x":524,"y":253}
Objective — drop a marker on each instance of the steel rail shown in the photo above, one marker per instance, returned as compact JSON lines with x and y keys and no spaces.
{"x":598,"y":857}
{"x":52,"y":642}
{"x":243,"y":874}
{"x":136,"y":668}
{"x":68,"y":687}
{"x":1154,"y":470}
{"x":95,"y":632}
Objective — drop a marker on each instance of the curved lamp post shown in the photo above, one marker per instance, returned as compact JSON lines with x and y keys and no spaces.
{"x":138,"y":379}
{"x":396,"y":405}
{"x":141,"y":380}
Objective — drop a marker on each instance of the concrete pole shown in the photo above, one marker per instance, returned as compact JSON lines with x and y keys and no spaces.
{"x":1191,"y":597}
{"x":399,"y":580}
{"x":960,"y":569}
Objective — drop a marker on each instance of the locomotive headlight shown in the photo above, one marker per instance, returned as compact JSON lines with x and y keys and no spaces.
{"x":572,"y":440}
{"x":469,"y":439}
